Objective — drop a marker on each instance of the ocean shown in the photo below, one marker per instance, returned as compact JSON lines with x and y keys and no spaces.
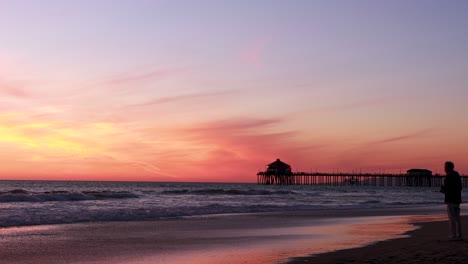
{"x":25,"y":203}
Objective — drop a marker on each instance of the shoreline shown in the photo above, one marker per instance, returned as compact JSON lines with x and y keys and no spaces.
{"x":248,"y":238}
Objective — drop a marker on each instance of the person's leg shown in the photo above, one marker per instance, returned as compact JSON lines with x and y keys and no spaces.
{"x":458,"y":222}
{"x":452,"y":223}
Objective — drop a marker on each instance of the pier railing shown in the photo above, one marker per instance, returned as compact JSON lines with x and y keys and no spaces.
{"x":350,"y":179}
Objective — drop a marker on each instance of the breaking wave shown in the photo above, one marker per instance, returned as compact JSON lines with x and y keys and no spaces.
{"x":20,"y":195}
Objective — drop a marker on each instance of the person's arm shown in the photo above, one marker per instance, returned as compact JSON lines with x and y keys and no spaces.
{"x":443,"y":187}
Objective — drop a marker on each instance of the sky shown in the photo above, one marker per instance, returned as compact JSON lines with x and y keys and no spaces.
{"x":215,"y":90}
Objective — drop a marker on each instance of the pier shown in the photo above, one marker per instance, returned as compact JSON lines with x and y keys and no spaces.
{"x":351,"y":179}
{"x":280,"y":173}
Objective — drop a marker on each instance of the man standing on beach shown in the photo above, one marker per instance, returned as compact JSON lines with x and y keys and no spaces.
{"x":452,"y":189}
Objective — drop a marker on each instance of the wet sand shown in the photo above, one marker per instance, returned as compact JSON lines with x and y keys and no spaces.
{"x":228,"y":239}
{"x":427,"y":244}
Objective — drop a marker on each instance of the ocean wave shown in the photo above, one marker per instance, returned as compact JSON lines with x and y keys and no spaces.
{"x":226,"y":192}
{"x":63,"y":214}
{"x":412,"y":203}
{"x":19,"y":195}
{"x":37,"y":203}
{"x":86,"y":214}
{"x":371,"y":202}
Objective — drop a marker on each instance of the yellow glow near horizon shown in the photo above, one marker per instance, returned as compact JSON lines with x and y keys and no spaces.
{"x":52,"y":137}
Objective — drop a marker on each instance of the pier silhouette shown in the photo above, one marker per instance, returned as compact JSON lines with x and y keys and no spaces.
{"x":279,"y":173}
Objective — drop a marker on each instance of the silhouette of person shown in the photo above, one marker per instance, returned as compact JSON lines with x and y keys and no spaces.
{"x":452,"y":189}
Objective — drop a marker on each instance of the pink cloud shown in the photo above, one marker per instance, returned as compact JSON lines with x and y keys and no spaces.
{"x":237,"y":148}
{"x":356,"y":104}
{"x":381,"y":154}
{"x":417,"y":134}
{"x":143,"y":76}
{"x":235,"y":124}
{"x":170,"y":99}
{"x":12,"y":90}
{"x":255,"y":51}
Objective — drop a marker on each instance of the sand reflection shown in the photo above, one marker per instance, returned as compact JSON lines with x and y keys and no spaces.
{"x":262,"y":246}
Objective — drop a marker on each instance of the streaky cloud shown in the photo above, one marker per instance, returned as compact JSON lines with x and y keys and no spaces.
{"x":143,"y":76}
{"x":236,"y":124}
{"x":171,"y":99}
{"x":416,"y":134}
{"x":356,"y":104}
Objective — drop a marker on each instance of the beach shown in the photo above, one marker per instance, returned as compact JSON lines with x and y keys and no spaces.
{"x":280,"y":237}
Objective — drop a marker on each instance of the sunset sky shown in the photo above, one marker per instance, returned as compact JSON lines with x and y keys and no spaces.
{"x":214,"y":90}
